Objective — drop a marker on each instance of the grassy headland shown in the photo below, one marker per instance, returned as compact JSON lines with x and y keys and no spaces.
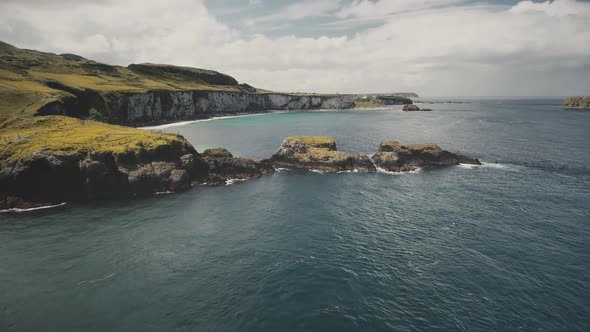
{"x":60,"y":134}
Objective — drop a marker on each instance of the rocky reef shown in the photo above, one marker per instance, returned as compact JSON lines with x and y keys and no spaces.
{"x":396,"y":157}
{"x":414,"y":108}
{"x":318,"y":153}
{"x":579,"y":103}
{"x":222,"y":167}
{"x":52,"y":159}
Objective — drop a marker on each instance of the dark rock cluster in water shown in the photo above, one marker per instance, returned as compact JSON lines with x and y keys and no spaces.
{"x":320,"y":153}
{"x":412,"y":107}
{"x":222,"y":166}
{"x":396,"y":157}
{"x":53,"y":178}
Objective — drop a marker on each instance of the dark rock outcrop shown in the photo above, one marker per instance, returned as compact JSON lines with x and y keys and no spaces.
{"x":318,"y":153}
{"x":396,"y":157}
{"x":579,"y":103}
{"x":53,"y":159}
{"x":393,"y":100}
{"x":412,"y":107}
{"x":223,"y":166}
{"x":62,"y":176}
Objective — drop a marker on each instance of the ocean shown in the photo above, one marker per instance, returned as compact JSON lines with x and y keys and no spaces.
{"x":500,"y":247}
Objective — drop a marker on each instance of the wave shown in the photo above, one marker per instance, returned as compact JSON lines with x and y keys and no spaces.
{"x":384,"y":171}
{"x":229,"y":182}
{"x":283,"y":169}
{"x":499,"y":166}
{"x":348,"y":171}
{"x":97,"y":280}
{"x":45,"y":207}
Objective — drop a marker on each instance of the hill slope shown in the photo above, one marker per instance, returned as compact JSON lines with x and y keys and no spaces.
{"x":30,"y":79}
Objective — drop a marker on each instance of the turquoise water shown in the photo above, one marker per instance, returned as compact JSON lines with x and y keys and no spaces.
{"x":498,"y":247}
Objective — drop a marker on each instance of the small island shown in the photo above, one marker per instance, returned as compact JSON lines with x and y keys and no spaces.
{"x":577,"y":103}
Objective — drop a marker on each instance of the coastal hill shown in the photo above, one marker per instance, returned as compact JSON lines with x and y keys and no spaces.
{"x":65,"y":129}
{"x":38,"y":83}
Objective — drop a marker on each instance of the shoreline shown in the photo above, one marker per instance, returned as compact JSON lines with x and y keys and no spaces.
{"x":183,"y":123}
{"x":224,"y":117}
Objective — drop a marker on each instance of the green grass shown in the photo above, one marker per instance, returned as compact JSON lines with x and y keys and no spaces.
{"x":26,"y":74}
{"x":395,"y":145}
{"x":28,"y":136}
{"x":311,"y":140}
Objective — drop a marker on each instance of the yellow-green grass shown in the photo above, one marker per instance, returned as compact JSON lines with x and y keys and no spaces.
{"x":28,"y":136}
{"x":415,"y":147}
{"x":312,"y":140}
{"x":21,"y":103}
{"x":30,"y":79}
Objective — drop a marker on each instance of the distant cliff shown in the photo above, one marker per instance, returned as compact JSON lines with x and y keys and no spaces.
{"x":35,"y":83}
{"x":406,"y":94}
{"x":161,"y":106}
{"x":582,"y":103}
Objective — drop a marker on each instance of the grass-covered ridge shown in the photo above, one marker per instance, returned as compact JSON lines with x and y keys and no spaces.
{"x":59,"y":134}
{"x":311,"y":140}
{"x":30,"y":79}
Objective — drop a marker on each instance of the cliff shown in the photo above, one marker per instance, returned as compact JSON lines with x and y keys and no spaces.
{"x":52,"y":159}
{"x":36,"y":83}
{"x":581,"y":103}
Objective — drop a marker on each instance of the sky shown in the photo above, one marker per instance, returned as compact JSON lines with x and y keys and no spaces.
{"x":432,"y":47}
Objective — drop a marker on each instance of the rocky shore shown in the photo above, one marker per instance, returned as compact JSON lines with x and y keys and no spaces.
{"x":53,"y":159}
{"x":49,"y":160}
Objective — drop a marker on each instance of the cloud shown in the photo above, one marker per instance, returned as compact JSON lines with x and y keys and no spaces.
{"x":297,"y":11}
{"x":380,"y":8}
{"x":456,"y":49}
{"x":556,"y":8}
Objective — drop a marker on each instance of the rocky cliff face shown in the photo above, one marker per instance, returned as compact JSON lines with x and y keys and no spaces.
{"x":582,"y":103}
{"x":166,"y":106}
{"x":52,"y":159}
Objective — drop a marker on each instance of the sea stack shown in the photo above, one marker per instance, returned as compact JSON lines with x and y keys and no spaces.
{"x":396,"y":157}
{"x":318,"y":153}
{"x":223,"y":166}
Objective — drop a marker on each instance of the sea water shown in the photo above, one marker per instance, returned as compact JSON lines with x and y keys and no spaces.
{"x":503,"y":246}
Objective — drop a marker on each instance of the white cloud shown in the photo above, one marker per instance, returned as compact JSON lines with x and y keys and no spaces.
{"x":528,"y":49}
{"x":297,"y":11}
{"x":372,"y":9}
{"x":555,"y":8}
